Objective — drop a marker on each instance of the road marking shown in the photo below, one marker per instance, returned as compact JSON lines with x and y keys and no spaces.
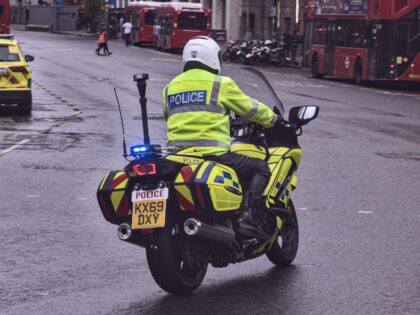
{"x":303,"y":209}
{"x":365,"y":212}
{"x":32,"y":196}
{"x":82,"y":198}
{"x":15,"y":146}
{"x":45,"y":131}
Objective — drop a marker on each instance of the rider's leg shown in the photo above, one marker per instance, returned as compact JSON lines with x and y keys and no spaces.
{"x":256,"y":174}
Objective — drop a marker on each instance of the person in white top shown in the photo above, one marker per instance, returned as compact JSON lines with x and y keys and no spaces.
{"x":127,"y":26}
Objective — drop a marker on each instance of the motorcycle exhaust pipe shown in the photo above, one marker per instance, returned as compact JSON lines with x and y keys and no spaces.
{"x":126,"y":234}
{"x":124,"y":231}
{"x":214,"y":233}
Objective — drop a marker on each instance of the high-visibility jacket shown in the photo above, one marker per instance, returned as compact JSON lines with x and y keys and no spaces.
{"x":197,"y":105}
{"x":102,"y":38}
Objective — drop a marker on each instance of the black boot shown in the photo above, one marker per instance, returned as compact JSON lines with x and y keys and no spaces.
{"x":247,"y":225}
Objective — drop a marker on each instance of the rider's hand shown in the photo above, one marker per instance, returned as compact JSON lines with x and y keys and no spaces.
{"x":280,"y":121}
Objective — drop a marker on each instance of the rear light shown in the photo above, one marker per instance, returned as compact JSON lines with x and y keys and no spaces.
{"x":21,"y":69}
{"x":145,"y":169}
{"x":392,"y":66}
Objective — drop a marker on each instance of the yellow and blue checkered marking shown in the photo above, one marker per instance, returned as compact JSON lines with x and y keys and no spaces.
{"x":226,"y":178}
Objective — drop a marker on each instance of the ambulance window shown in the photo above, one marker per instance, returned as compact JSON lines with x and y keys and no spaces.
{"x":9,"y":53}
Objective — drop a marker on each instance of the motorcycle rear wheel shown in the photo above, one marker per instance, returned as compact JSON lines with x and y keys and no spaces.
{"x":168,"y":266}
{"x":282,"y":254}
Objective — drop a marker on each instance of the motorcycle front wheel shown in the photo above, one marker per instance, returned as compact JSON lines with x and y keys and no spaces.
{"x":225,"y":56}
{"x":284,"y":251}
{"x":173,"y":266}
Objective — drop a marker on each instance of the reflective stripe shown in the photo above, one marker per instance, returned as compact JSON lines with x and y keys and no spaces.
{"x":253,"y":110}
{"x":211,"y":108}
{"x":197,"y":108}
{"x":197,"y":143}
{"x":215,"y":90}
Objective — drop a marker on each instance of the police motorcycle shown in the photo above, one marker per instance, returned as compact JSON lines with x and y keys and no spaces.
{"x":183,"y":209}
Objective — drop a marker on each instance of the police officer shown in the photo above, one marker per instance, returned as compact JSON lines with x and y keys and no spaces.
{"x":196,"y":107}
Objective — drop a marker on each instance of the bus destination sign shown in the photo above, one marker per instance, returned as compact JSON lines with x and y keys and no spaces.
{"x":341,"y":7}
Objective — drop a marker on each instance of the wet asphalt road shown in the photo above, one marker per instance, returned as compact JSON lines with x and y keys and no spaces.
{"x":357,"y":199}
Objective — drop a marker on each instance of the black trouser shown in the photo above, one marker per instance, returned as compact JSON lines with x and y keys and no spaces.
{"x":104,"y":46}
{"x":127,"y":39}
{"x":254,"y":174}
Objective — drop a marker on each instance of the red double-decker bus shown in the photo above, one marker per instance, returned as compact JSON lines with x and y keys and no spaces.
{"x":142,"y":16}
{"x":364,"y":39}
{"x":178,"y":22}
{"x":4,"y":17}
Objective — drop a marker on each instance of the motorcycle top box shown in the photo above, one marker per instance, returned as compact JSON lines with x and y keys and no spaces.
{"x":210,"y":188}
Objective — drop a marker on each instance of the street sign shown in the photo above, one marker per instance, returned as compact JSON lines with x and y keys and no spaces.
{"x":218,"y":35}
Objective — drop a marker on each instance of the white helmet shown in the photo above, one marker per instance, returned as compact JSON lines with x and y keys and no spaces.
{"x":205,"y":50}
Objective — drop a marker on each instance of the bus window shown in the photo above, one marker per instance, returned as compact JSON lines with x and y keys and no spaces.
{"x":340,"y":34}
{"x":149,"y":17}
{"x":406,"y":35}
{"x":319,"y":34}
{"x":192,"y":21}
{"x":358,"y":35}
{"x":135,"y":16}
{"x":1,"y":9}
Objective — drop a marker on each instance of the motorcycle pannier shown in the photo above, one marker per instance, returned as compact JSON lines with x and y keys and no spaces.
{"x":113,"y":197}
{"x":210,"y":188}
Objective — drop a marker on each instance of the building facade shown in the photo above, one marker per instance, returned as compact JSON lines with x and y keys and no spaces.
{"x":264,"y":19}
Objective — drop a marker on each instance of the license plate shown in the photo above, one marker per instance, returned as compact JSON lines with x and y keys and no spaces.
{"x":149,"y":208}
{"x":414,"y":75}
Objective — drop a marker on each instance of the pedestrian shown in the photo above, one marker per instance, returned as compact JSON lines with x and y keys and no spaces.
{"x":196,"y":108}
{"x":127,"y":26}
{"x":121,"y":23}
{"x":294,"y":45}
{"x":103,"y":42}
{"x":287,"y":37}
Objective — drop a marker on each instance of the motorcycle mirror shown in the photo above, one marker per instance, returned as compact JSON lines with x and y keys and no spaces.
{"x":301,"y":115}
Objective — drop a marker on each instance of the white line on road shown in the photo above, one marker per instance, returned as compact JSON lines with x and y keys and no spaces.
{"x":303,"y":209}
{"x":15,"y":146}
{"x":82,"y":198}
{"x":365,"y":212}
{"x":32,"y":196}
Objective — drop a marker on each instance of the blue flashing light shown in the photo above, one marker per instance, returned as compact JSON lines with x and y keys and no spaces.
{"x":137,"y":149}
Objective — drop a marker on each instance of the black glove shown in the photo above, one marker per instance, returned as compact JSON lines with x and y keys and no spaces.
{"x":280,"y":121}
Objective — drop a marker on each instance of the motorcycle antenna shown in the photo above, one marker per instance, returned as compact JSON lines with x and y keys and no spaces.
{"x":122,"y":124}
{"x":141,"y":86}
